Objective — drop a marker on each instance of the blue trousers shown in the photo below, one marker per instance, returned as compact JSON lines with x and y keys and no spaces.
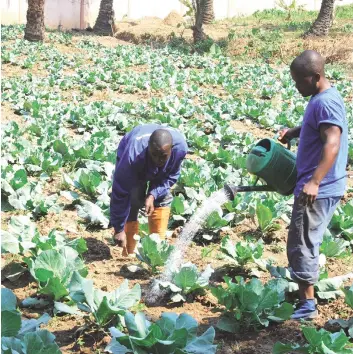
{"x":305,"y":236}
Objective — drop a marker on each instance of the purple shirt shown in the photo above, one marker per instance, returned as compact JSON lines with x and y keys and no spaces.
{"x":325,"y":107}
{"x":134,"y":167}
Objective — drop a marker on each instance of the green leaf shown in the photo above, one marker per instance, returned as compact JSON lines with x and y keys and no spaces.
{"x":268,"y":300}
{"x":54,"y":270}
{"x":116,"y":348}
{"x":10,"y":323}
{"x":282,"y":313}
{"x":60,"y":147}
{"x":177,"y":206}
{"x":10,"y":345}
{"x":215,"y":221}
{"x":228,"y":324}
{"x":186,"y":277}
{"x":242,"y":252}
{"x":141,"y":325}
{"x":9,"y":243}
{"x":78,"y":244}
{"x":64,"y":308}
{"x":49,"y":264}
{"x":167,"y":323}
{"x":54,"y":287}
{"x":188,"y":322}
{"x":280,"y":348}
{"x":332,"y":247}
{"x":20,"y":235}
{"x":34,"y":302}
{"x":169,"y":335}
{"x":349,"y":296}
{"x":313,"y":336}
{"x":32,"y":343}
{"x":104,"y":306}
{"x":10,"y":317}
{"x":204,"y":277}
{"x":178,"y":339}
{"x":123,"y":297}
{"x":8,"y":300}
{"x":264,"y":216}
{"x":153,"y":251}
{"x":19,"y":179}
{"x":203,"y":344}
{"x":330,"y":288}
{"x":92,"y":213}
{"x":339,"y":340}
{"x":105,"y":312}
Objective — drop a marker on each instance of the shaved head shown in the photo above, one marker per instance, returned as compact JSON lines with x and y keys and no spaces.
{"x":161,"y":137}
{"x":308,"y":63}
{"x":308,"y":72}
{"x":160,"y":146}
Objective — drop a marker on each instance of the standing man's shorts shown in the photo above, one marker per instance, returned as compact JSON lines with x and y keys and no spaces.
{"x":305,"y":236}
{"x":138,"y":197}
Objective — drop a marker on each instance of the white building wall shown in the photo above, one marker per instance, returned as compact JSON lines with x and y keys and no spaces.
{"x":13,"y":11}
{"x":81,"y":13}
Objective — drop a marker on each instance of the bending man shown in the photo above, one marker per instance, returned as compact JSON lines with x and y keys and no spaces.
{"x":321,"y":167}
{"x":149,"y":153}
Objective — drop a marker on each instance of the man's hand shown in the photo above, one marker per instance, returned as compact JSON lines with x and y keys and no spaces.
{"x":287,"y":134}
{"x":120,"y":239}
{"x":309,"y":193}
{"x":283,"y":135}
{"x":149,"y":205}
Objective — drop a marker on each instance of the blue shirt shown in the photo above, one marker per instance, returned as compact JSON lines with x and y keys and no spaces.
{"x":134,"y":167}
{"x":325,"y":107}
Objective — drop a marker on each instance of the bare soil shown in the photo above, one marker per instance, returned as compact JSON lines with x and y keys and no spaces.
{"x":8,"y":115}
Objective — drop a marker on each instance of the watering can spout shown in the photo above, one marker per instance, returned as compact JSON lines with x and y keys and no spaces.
{"x":231,"y":190}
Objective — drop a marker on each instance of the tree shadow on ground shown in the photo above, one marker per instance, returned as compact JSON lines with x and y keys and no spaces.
{"x":97,"y":251}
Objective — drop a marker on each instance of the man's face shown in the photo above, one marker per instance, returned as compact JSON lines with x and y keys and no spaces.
{"x":159,"y":156}
{"x":306,"y":85}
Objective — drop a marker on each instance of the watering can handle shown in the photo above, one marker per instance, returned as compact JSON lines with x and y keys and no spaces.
{"x":289,"y":144}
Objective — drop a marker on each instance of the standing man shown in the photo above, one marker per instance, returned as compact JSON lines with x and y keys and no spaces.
{"x":321,"y":167}
{"x":148,"y":153}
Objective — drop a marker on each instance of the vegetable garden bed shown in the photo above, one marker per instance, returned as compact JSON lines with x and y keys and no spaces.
{"x":66,"y":111}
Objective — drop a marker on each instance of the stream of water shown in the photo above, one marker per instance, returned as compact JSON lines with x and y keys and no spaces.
{"x":176,"y":258}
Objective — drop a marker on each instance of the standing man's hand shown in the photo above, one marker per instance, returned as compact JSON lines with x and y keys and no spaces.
{"x":120,"y":238}
{"x":284,"y":135}
{"x":309,"y":193}
{"x":149,"y":205}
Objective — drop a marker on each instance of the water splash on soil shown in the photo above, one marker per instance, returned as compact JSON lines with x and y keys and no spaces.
{"x":175,"y":260}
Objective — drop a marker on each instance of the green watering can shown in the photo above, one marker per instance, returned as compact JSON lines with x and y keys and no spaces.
{"x":274,"y":164}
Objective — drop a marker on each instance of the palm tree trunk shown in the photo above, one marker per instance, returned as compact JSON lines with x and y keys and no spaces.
{"x":323,"y":23}
{"x":105,"y":19}
{"x":35,"y":28}
{"x":208,"y":15}
{"x":197,"y":30}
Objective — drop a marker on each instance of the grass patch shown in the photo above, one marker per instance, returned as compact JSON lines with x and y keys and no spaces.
{"x":344,"y":12}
